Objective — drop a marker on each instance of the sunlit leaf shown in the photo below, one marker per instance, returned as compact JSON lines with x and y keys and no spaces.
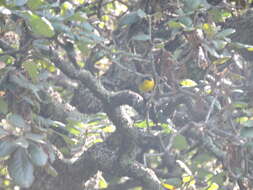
{"x":39,"y":25}
{"x":175,"y":24}
{"x":32,"y":70}
{"x":238,"y":104}
{"x":213,"y":186}
{"x":102,"y":183}
{"x":50,"y":170}
{"x":143,"y":124}
{"x":220,"y":15}
{"x":73,"y":130}
{"x":241,"y":119}
{"x":109,"y":129}
{"x":21,"y":169}
{"x":186,"y":178}
{"x":168,"y":186}
{"x":67,"y":9}
{"x":188,"y":83}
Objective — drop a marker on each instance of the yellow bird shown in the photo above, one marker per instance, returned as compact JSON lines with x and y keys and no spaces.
{"x":147,"y":84}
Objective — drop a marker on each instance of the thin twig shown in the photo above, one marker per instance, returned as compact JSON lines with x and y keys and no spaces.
{"x":211,"y":109}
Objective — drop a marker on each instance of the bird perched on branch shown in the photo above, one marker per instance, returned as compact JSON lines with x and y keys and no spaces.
{"x":146,"y":84}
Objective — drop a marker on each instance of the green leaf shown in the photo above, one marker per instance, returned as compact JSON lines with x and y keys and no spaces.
{"x":173,"y":181}
{"x":241,"y":105}
{"x":39,"y":138}
{"x":193,"y":4}
{"x":95,"y":37}
{"x":37,"y":155}
{"x":201,"y":158}
{"x":87,"y":26}
{"x":16,"y":2}
{"x":21,"y":81}
{"x":141,"y":37}
{"x":3,"y":106}
{"x":248,"y":123}
{"x":130,"y":18}
{"x":211,"y":50}
{"x":225,"y":33}
{"x":21,"y":141}
{"x":32,"y":70}
{"x":7,"y":147}
{"x":219,"y":15}
{"x":21,"y":169}
{"x":50,"y":170}
{"x":241,"y":45}
{"x":246,"y":132}
{"x":73,"y":130}
{"x":17,"y":121}
{"x":141,"y":13}
{"x":39,"y":25}
{"x":35,"y":4}
{"x":218,"y":178}
{"x":219,"y":44}
{"x":78,"y":16}
{"x":180,"y":142}
{"x":3,"y":133}
{"x":175,"y":24}
{"x":143,"y":124}
{"x":167,"y":128}
{"x":59,"y":27}
{"x":203,"y":173}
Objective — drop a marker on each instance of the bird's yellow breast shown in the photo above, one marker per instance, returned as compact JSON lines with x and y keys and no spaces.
{"x":147,"y":85}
